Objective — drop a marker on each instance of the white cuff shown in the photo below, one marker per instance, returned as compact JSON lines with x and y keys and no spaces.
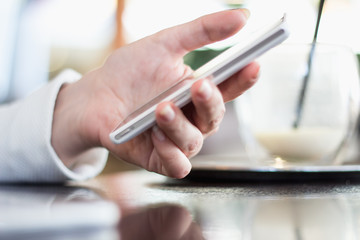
{"x":27,"y":154}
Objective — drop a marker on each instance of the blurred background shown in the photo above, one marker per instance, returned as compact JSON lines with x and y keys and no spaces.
{"x":40,"y":38}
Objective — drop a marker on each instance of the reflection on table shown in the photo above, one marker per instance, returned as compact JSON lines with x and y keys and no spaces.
{"x":161,"y":208}
{"x":155,"y":207}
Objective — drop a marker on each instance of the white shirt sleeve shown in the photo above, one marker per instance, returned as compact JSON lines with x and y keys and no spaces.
{"x":26,"y":154}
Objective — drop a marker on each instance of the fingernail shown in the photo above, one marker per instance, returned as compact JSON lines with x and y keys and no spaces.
{"x":167,"y":113}
{"x":258,"y":72}
{"x":205,"y":90}
{"x":246,"y":12}
{"x":158,"y":133}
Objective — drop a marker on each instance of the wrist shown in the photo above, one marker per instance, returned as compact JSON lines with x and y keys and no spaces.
{"x":63,"y":135}
{"x":70,"y":133}
{"x":83,"y":117}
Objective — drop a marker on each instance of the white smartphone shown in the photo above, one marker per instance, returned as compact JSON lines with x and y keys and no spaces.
{"x":218,"y":69}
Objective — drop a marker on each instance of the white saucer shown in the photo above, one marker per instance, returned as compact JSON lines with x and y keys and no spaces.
{"x":211,"y":167}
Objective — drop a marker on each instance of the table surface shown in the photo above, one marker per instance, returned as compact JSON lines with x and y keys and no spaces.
{"x":156,"y":207}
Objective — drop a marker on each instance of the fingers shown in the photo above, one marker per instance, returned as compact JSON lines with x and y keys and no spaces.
{"x":202,"y":31}
{"x":167,"y":158}
{"x":240,"y":82}
{"x":169,"y":222}
{"x":209,"y":100}
{"x":178,"y":128}
{"x":209,"y":106}
{"x":176,"y":138}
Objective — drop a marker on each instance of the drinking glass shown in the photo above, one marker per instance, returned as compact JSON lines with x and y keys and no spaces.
{"x":328,"y":113}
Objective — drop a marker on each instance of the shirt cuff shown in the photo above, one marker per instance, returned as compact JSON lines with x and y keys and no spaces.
{"x":86,"y":165}
{"x":27,"y":151}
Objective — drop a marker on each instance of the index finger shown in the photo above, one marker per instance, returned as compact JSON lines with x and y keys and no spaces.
{"x":204,"y":30}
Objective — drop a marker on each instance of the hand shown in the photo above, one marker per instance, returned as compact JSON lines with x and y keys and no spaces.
{"x":88,"y":110}
{"x":160,"y":222}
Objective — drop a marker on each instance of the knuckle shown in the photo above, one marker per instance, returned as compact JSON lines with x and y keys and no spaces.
{"x":215,"y":122}
{"x":194,"y":146}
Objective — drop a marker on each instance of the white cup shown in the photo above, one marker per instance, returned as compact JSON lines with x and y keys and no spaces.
{"x":328,"y":114}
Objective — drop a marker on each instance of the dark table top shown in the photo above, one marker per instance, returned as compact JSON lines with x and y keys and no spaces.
{"x":155,"y":207}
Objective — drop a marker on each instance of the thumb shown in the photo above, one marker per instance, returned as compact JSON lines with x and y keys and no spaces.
{"x":210,"y":28}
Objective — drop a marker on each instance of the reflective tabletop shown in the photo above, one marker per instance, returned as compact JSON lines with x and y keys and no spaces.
{"x":155,"y":207}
